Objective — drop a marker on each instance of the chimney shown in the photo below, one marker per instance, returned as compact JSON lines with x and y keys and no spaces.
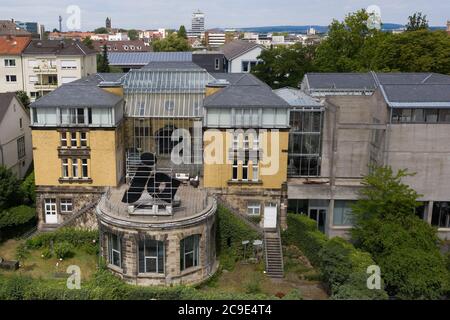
{"x":215,"y":86}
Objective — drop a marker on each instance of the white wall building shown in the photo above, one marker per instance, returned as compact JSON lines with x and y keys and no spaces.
{"x":241,"y":55}
{"x":15,"y":135}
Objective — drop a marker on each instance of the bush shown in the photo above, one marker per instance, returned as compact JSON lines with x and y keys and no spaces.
{"x":293,"y":295}
{"x":253,"y":284}
{"x":231,"y":231}
{"x":46,"y":253}
{"x":412,"y":273}
{"x":63,"y":250}
{"x":16,"y":216}
{"x":76,"y":237}
{"x":28,"y":189}
{"x":355,"y":288}
{"x":9,"y":189}
{"x":302,"y":232}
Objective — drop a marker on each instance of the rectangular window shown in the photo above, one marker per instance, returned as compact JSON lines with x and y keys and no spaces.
{"x":64,"y":139}
{"x":21,"y":147}
{"x":20,"y":123}
{"x":235,"y":170}
{"x":342,"y":214}
{"x":65,"y":168}
{"x":254,"y":208}
{"x":11,"y":78}
{"x":83,"y":139}
{"x":73,"y":139}
{"x":255,"y":172}
{"x":431,"y":115}
{"x":441,"y":214}
{"x":68,"y":64}
{"x":66,"y":205}
{"x":115,"y":250}
{"x":10,"y":62}
{"x":33,"y":79}
{"x":151,"y":256}
{"x":84,"y":168}
{"x":444,"y":115}
{"x":189,"y":252}
{"x":74,"y":168}
{"x":245,"y":170}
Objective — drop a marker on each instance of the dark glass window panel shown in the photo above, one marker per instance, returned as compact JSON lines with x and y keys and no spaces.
{"x":151,"y":264}
{"x":444,"y":115}
{"x":418,"y":115}
{"x":431,"y":115}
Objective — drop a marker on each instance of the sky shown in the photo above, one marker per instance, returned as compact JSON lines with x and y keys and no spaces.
{"x":149,"y":14}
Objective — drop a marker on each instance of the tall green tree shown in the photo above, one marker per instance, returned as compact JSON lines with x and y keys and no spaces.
{"x":285,"y":66}
{"x":102,"y":61}
{"x":340,"y":51}
{"x":171,"y":43}
{"x":9,"y":189}
{"x":133,"y":34}
{"x":417,"y":21}
{"x":403,"y":245}
{"x":182,"y":32}
{"x":23,"y":98}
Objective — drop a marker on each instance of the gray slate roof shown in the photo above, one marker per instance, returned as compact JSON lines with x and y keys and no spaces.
{"x":417,"y":95}
{"x":297,"y":98}
{"x":5,"y":101}
{"x":244,"y":90}
{"x":236,"y":48}
{"x":144,"y":58}
{"x":77,"y":94}
{"x":172,"y":66}
{"x":58,"y":47}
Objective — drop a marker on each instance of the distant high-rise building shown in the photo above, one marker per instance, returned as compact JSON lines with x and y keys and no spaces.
{"x":37,"y":30}
{"x":198,"y":24}
{"x":108,"y":23}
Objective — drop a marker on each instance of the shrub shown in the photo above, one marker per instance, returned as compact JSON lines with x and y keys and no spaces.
{"x":28,"y":189}
{"x":9,"y":189}
{"x":293,"y":295}
{"x":253,"y":284}
{"x":22,"y":252}
{"x":46,"y":253}
{"x":412,"y":273}
{"x":302,"y":232}
{"x":76,"y":237}
{"x":16,"y":216}
{"x":63,"y":250}
{"x":355,"y":288}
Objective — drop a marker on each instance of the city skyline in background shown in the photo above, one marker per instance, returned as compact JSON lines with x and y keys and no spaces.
{"x":237,"y":15}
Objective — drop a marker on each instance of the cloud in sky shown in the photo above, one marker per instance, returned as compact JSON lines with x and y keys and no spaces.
{"x":146,"y":14}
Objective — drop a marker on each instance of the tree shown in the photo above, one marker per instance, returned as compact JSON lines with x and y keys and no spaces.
{"x":285,"y":66}
{"x":88,"y":42}
{"x":102,"y":61}
{"x":340,"y":51}
{"x":172,"y":43}
{"x":182,"y":32}
{"x":55,"y":30}
{"x":403,"y":245}
{"x":417,"y":21}
{"x":101,"y":30}
{"x":23,"y":98}
{"x":9,"y":189}
{"x":133,"y":34}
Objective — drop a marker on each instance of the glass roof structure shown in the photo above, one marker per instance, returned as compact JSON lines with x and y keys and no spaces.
{"x":172,"y":90}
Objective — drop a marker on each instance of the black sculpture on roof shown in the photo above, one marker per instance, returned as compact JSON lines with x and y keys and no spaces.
{"x":159,"y":185}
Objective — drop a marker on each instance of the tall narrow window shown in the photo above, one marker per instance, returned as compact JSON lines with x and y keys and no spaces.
{"x":73,"y":139}
{"x":235,"y":170}
{"x":21,"y":147}
{"x":65,"y":168}
{"x":217,"y":64}
{"x":63,"y":139}
{"x":83,"y":139}
{"x":255,"y":172}
{"x":115,"y":250}
{"x":151,"y":256}
{"x":245,"y":170}
{"x":80,"y":115}
{"x":84,"y":168}
{"x":74,"y":168}
{"x":189,"y":252}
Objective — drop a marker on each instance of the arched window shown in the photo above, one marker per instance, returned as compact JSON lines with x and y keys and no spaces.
{"x":189,"y":252}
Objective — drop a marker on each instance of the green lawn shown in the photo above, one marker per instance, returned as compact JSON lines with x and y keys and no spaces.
{"x":52,"y":268}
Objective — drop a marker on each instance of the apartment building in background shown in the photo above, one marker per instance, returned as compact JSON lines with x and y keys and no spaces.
{"x":241,"y":55}
{"x":16,"y":151}
{"x":215,"y":38}
{"x":48,"y":64}
{"x":11,"y":70}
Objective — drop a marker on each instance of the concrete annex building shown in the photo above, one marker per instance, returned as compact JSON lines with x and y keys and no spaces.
{"x":103,"y":150}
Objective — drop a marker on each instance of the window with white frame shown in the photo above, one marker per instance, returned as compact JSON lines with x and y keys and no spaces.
{"x":11,"y":78}
{"x":50,"y":206}
{"x":65,"y":205}
{"x":235,"y":171}
{"x":254,"y":208}
{"x":74,"y":168}
{"x":64,"y":139}
{"x":115,"y":250}
{"x":68,"y":64}
{"x":151,"y":256}
{"x":245,"y":170}
{"x":10,"y":62}
{"x":73,"y":140}
{"x":65,"y":168}
{"x":189,"y":252}
{"x":84,"y":168}
{"x":342,"y":214}
{"x":83,"y":139}
{"x":255,"y":170}
{"x":33,"y":79}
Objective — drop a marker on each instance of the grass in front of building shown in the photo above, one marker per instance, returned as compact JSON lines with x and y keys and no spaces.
{"x":38,"y":267}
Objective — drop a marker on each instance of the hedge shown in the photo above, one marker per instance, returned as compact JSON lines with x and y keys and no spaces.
{"x":302,"y":232}
{"x":76,"y":237}
{"x":343,"y":267}
{"x":231,"y":231}
{"x":16,"y":216}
